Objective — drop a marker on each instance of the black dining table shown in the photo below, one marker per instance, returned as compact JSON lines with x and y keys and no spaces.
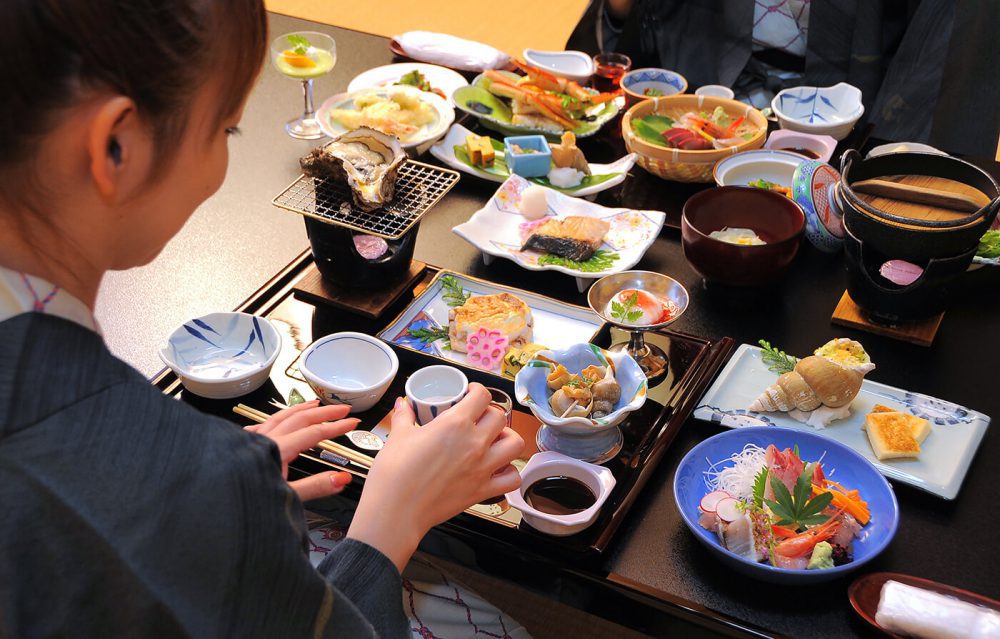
{"x":653,"y":577}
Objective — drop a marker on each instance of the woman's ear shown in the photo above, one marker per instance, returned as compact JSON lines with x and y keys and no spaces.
{"x":116,"y":142}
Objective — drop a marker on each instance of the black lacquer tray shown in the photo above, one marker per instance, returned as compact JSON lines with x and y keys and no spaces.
{"x":648,"y":432}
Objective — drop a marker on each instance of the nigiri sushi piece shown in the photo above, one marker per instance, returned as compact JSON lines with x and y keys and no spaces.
{"x":574,"y":237}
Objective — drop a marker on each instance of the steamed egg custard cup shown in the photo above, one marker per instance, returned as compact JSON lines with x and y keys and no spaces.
{"x":349,"y":368}
{"x":650,"y":357}
{"x":599,"y":480}
{"x":222,"y":355}
{"x":590,"y":439}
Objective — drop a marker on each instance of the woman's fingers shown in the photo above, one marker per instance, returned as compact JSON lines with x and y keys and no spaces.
{"x":320,"y":485}
{"x":293,"y":443}
{"x":505,"y":449}
{"x":276,"y":419}
{"x":472,"y":406}
{"x":490,"y":424}
{"x":402,"y":416}
{"x":307,"y":417}
{"x":502,"y":482}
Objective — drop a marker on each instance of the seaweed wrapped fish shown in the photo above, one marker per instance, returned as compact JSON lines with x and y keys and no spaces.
{"x":574,"y":237}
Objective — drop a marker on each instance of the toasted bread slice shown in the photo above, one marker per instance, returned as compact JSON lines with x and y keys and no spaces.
{"x":891,"y":435}
{"x":503,"y":312}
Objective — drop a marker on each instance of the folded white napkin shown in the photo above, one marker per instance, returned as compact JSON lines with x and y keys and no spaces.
{"x":450,"y":51}
{"x":920,"y":613}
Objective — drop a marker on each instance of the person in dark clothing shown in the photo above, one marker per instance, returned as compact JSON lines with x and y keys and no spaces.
{"x":925,"y":67}
{"x":127,"y":513}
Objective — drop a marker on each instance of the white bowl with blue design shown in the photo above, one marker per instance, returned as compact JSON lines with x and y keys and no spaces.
{"x":349,"y":368}
{"x":643,"y":84}
{"x":829,"y":111}
{"x":590,"y":439}
{"x":222,"y":355}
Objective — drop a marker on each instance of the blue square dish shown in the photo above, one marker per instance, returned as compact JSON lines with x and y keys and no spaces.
{"x":527,"y":165}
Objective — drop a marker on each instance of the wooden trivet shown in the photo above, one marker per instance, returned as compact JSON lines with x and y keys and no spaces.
{"x":370,"y":303}
{"x":920,"y":332}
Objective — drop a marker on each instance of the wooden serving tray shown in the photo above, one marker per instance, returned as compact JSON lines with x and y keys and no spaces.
{"x":648,"y":432}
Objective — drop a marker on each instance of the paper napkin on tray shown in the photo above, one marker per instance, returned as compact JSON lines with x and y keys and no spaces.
{"x":451,"y":51}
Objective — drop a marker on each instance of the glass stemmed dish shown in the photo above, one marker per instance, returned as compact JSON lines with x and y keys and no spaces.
{"x":304,"y":56}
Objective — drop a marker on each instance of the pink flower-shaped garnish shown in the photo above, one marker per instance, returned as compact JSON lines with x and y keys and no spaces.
{"x":485,"y":348}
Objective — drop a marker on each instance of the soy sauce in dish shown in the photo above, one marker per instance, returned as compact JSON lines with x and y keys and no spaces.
{"x":809,"y":153}
{"x":560,"y":495}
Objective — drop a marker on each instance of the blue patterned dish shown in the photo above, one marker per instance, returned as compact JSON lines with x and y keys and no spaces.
{"x":222,"y":355}
{"x":850,"y":468}
{"x":829,"y":111}
{"x":945,"y":456}
{"x":663,"y":82}
{"x":349,"y":368}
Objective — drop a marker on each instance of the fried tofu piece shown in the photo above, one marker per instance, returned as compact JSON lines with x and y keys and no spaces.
{"x":891,"y":435}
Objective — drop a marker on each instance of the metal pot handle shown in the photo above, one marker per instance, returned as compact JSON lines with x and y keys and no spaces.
{"x":846,"y":160}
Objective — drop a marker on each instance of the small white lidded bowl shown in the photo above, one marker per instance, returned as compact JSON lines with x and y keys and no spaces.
{"x":349,"y":368}
{"x":598,"y":479}
{"x":222,"y":355}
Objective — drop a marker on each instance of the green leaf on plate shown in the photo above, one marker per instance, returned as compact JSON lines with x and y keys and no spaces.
{"x":651,"y":127}
{"x":499,"y":168}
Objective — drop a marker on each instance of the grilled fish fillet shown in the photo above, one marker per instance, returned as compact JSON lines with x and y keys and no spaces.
{"x":504,"y":312}
{"x":574,"y":237}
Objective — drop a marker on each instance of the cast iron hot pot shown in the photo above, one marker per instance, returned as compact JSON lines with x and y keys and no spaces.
{"x":339,"y":261}
{"x":906,"y":238}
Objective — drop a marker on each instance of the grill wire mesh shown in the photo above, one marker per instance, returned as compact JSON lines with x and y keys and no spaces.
{"x":418,"y":188}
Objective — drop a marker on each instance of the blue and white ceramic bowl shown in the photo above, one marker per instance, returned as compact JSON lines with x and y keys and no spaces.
{"x":829,"y":111}
{"x":349,"y":368}
{"x":814,"y":185}
{"x":531,"y":389}
{"x":661,"y":81}
{"x":839,"y":462}
{"x":432,"y":390}
{"x":222,"y":355}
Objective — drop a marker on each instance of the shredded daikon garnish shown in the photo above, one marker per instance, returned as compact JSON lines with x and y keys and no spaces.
{"x":738,"y":479}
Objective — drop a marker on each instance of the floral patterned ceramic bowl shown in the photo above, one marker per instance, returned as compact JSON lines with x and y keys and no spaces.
{"x":587,"y":438}
{"x":222,"y":355}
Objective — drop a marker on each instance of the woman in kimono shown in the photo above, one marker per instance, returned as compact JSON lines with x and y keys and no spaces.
{"x":126,"y":513}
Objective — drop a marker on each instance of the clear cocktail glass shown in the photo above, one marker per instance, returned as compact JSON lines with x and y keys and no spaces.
{"x":304,"y":56}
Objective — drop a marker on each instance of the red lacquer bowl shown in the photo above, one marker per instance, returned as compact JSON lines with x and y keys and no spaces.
{"x":773,"y":217}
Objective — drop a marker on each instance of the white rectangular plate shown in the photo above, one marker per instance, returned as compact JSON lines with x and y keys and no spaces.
{"x":557,"y":325}
{"x":494,"y":229}
{"x":945,"y":455}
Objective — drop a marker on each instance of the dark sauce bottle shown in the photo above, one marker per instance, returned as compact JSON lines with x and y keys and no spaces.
{"x":559,"y":495}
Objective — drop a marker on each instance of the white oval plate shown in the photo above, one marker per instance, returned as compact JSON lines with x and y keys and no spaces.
{"x":427,"y":133}
{"x":440,"y":78}
{"x":445,"y":151}
{"x":495,"y":230}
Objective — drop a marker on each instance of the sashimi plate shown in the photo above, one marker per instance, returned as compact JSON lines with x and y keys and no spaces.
{"x":451,"y":151}
{"x":946,"y":454}
{"x":557,"y":325}
{"x":496,"y":230}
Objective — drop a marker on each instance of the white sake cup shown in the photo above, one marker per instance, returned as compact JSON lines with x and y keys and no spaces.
{"x":433,"y":390}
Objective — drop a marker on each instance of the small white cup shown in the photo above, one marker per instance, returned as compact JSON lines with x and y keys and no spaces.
{"x":434,"y":389}
{"x":715,"y":90}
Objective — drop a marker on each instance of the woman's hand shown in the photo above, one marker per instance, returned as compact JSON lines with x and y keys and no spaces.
{"x":301,"y":427}
{"x":427,"y":475}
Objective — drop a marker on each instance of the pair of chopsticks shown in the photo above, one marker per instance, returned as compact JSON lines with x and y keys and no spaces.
{"x":329,"y":450}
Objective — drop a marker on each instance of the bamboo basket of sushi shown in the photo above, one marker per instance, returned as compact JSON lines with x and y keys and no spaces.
{"x":701,"y":131}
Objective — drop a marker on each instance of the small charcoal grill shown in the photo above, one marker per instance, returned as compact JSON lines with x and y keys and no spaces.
{"x":333,"y":223}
